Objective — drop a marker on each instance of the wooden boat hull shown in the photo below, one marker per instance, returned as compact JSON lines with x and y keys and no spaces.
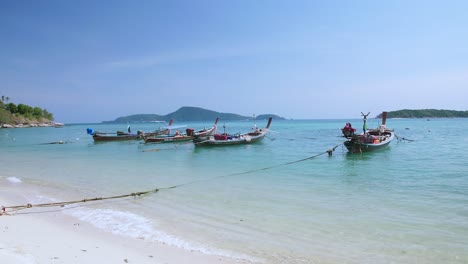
{"x":358,"y":144}
{"x":121,"y":136}
{"x":225,"y":140}
{"x":156,"y":133}
{"x":159,"y":132}
{"x":188,"y":136}
{"x":167,"y":139}
{"x":241,"y":140}
{"x":99,"y":137}
{"x":203,"y":135}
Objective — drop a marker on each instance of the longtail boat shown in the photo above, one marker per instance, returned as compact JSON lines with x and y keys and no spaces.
{"x":121,"y":136}
{"x":190,"y":134}
{"x":370,"y":139}
{"x":237,"y":139}
{"x":204,"y":134}
{"x":161,"y":131}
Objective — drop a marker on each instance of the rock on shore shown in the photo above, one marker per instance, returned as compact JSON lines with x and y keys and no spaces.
{"x":48,"y":124}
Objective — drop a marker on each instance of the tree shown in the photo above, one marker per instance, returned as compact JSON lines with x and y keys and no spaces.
{"x":47,"y":115}
{"x":37,"y":112}
{"x":25,"y":109}
{"x":12,"y":113}
{"x":5,"y":116}
{"x":12,"y":108}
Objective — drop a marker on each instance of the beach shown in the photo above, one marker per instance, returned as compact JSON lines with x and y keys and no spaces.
{"x":50,"y":236}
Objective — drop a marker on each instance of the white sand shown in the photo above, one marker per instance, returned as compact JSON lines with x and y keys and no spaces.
{"x":44,"y":236}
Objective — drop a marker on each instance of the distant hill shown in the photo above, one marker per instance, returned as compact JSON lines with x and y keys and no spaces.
{"x":425,"y":113}
{"x":188,"y":113}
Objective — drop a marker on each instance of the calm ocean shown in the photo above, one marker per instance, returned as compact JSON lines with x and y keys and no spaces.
{"x":407,"y":203}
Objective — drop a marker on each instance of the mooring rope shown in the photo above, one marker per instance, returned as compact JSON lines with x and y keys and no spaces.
{"x":254,"y":170}
{"x":5,"y":210}
{"x":402,"y":138}
{"x":61,"y":204}
{"x":55,"y":142}
{"x":158,"y":149}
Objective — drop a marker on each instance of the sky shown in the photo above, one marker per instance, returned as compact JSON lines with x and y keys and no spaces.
{"x":92,"y":61}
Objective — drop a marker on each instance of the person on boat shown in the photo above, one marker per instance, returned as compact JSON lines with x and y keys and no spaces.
{"x":349,"y":128}
{"x":129,"y":130}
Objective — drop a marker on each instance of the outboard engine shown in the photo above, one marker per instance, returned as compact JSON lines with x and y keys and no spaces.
{"x":189,"y":132}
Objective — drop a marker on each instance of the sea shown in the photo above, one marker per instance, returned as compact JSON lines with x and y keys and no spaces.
{"x":282,"y":200}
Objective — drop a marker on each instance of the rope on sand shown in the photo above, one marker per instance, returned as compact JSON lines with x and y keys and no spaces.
{"x":6,"y":210}
{"x":61,"y":204}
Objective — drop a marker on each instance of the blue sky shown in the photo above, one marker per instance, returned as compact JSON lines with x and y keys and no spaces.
{"x":90,"y":61}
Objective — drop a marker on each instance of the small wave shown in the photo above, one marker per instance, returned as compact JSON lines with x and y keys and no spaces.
{"x":117,"y":222}
{"x":14,"y":180}
{"x":135,"y":226}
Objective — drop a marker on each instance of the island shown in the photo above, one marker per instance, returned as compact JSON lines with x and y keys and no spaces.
{"x":425,"y":113}
{"x":188,"y":113}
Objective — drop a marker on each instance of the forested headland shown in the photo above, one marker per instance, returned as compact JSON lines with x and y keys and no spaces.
{"x":425,"y":113}
{"x":22,"y":114}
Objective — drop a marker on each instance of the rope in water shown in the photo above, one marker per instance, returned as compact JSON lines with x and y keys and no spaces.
{"x":402,"y":138}
{"x":255,"y":170}
{"x":5,"y":210}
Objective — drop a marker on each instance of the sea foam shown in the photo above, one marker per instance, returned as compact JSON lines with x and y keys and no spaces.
{"x":14,"y":179}
{"x":136,"y":226}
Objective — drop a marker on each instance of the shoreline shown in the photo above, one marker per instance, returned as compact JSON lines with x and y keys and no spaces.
{"x":52,"y":236}
{"x":27,"y":125}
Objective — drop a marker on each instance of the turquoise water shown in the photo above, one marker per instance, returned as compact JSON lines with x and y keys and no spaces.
{"x":407,"y":203}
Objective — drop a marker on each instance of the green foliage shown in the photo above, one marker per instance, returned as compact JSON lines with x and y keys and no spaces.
{"x":12,"y":108}
{"x":138,"y":118}
{"x":187,"y":113}
{"x":10,"y":112}
{"x":37,"y":112}
{"x":5,"y":117}
{"x":425,"y":113}
{"x":47,"y":115}
{"x":24,"y":109}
